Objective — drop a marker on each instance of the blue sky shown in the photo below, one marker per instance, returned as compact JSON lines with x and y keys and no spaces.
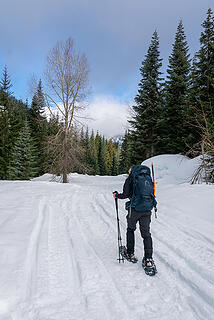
{"x":114,"y":35}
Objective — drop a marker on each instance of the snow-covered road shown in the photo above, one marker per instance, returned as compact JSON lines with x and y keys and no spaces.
{"x":59,"y":253}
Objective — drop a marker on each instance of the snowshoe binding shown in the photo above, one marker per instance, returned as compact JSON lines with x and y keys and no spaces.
{"x":129,"y":257}
{"x":149,"y":266}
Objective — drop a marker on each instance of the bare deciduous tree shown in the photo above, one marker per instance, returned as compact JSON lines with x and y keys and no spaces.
{"x":66,"y":77}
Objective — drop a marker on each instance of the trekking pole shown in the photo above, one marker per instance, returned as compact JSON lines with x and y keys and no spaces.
{"x":118,"y":232}
{"x":153,"y":178}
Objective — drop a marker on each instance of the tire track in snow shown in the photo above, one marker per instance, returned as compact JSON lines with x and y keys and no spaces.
{"x":189,"y":283}
{"x":64,"y":278}
{"x":60,"y":299}
{"x":202,"y":311}
{"x":176,"y":217}
{"x":186,"y":268}
{"x":101,"y":295}
{"x":199,"y":262}
{"x":24,"y":310}
{"x":136,"y":292}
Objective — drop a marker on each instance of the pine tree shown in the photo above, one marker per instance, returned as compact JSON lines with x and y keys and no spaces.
{"x":102,"y":156}
{"x":115,"y":162}
{"x":3,"y":137}
{"x":125,"y":154}
{"x":53,"y":125}
{"x":5,"y":86}
{"x":109,"y":156}
{"x":202,"y":94}
{"x":38,"y":125}
{"x":5,"y":128}
{"x":23,"y":159}
{"x":100,"y":151}
{"x":145,"y":134}
{"x":93,"y":158}
{"x":87,"y":150}
{"x":175,"y":132}
{"x":203,"y":71}
{"x":83,"y":151}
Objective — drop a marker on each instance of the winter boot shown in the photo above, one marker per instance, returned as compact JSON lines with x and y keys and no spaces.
{"x":149,"y":266}
{"x":128,"y":256}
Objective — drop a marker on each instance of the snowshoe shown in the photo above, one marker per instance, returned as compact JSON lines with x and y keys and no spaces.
{"x":149,"y":266}
{"x":129,"y":257}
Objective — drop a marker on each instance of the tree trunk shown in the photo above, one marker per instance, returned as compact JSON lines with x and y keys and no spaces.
{"x":65,"y":160}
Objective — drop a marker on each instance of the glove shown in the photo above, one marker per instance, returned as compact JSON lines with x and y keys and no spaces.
{"x":116,"y":194}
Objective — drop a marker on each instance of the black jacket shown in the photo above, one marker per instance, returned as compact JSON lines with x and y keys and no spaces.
{"x":127,"y":189}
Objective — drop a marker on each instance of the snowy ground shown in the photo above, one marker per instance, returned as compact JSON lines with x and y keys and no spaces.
{"x":58,"y":247}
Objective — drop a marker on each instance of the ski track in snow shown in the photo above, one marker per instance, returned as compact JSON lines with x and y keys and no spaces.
{"x":71,"y":272}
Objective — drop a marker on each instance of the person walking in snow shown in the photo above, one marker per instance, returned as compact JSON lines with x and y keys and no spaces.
{"x":138,"y":187}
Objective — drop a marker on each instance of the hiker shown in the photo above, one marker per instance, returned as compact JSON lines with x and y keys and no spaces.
{"x":138,"y":187}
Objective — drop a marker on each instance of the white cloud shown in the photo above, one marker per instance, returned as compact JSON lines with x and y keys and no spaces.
{"x":106,"y":114}
{"x":109,"y":116}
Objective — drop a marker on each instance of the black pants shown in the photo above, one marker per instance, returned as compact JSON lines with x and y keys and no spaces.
{"x":144,"y":219}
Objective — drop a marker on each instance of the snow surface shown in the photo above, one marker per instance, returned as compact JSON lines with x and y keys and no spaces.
{"x":173,"y":168}
{"x":58,"y":247}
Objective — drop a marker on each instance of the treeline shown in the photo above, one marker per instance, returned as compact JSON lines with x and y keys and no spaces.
{"x":27,"y":136}
{"x":175,"y":115}
{"x":23,"y":132}
{"x":172,"y":115}
{"x":99,"y":155}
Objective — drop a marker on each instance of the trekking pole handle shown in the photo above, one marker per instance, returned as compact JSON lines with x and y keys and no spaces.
{"x":116,"y":194}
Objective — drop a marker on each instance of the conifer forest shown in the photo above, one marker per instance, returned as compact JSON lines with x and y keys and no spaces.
{"x":173,"y":113}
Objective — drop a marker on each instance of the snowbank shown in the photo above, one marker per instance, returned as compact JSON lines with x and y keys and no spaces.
{"x":170,"y":168}
{"x":77,"y":177}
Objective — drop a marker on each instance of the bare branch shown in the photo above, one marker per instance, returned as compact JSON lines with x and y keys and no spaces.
{"x":67,"y":80}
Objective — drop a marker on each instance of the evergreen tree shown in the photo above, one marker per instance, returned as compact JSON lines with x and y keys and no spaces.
{"x":102,"y":156}
{"x":3,"y":150}
{"x":53,"y":125}
{"x":201,"y":96}
{"x":87,"y":150}
{"x":5,"y":128}
{"x":23,"y":159}
{"x":5,"y":86}
{"x":93,"y":158}
{"x":204,"y":62}
{"x":82,"y":138}
{"x":203,"y":71}
{"x":125,"y":155}
{"x":38,"y":125}
{"x":53,"y":128}
{"x":114,"y":169}
{"x":175,"y":132}
{"x":83,"y":151}
{"x":109,"y":156}
{"x":145,"y":133}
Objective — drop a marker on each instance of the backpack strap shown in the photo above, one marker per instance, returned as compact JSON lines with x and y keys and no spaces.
{"x":133,"y":189}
